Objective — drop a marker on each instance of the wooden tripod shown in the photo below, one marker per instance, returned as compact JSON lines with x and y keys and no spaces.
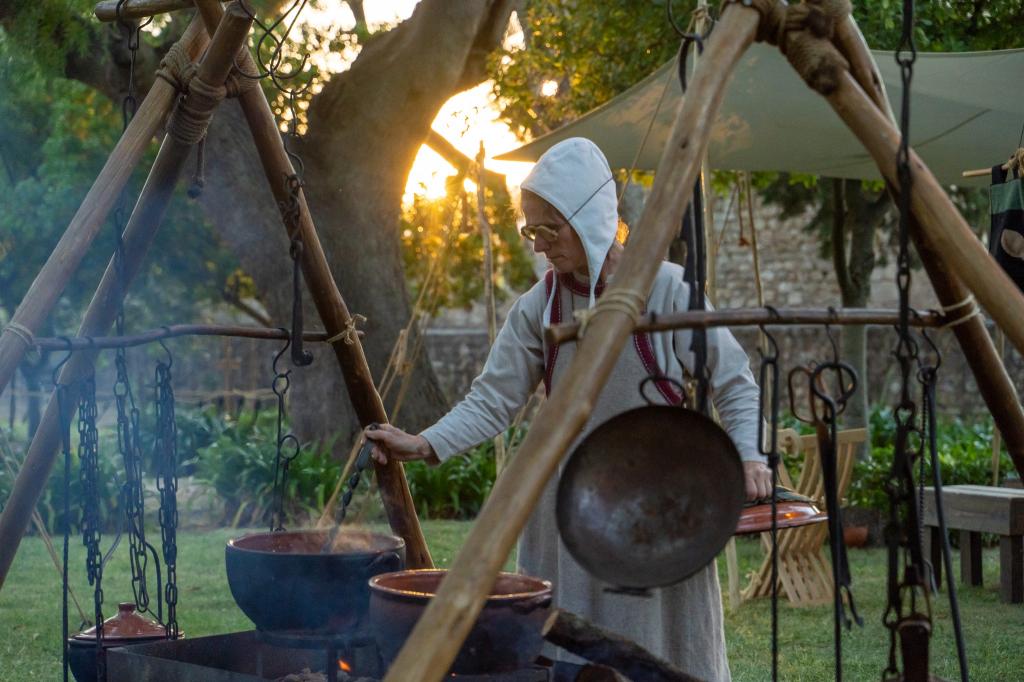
{"x":138,"y":235}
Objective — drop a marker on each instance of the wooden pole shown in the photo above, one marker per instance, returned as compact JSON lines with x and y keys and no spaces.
{"x":394,"y":489}
{"x":83,"y":228}
{"x":437,"y":637}
{"x":603,"y":647}
{"x":138,"y":9}
{"x":957,"y":263}
{"x":102,"y":310}
{"x":749,"y":317}
{"x":985,"y":361}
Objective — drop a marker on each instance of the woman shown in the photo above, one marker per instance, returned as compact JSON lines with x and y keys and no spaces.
{"x":570,"y":207}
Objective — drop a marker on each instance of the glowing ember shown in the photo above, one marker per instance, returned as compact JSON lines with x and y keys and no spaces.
{"x":344,"y":666}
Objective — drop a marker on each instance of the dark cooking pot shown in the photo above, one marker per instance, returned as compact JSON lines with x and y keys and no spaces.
{"x":124,"y":629}
{"x":282,"y":581}
{"x":650,"y":497}
{"x":505,"y":637}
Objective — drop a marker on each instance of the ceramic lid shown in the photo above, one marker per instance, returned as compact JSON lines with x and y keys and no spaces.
{"x":127,"y":624}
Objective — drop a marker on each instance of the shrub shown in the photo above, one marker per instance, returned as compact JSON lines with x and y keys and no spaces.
{"x":458,"y":488}
{"x":238,"y":463}
{"x":964,"y":450}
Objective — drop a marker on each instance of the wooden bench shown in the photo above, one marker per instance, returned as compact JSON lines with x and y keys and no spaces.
{"x":973,"y":510}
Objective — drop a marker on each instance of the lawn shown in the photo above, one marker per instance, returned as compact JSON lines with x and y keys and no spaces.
{"x":30,"y":614}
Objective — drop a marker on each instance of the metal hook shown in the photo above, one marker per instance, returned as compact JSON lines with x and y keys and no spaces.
{"x":661,"y":377}
{"x":170,"y":358}
{"x":284,"y":349}
{"x":60,"y":365}
{"x":833,"y":316}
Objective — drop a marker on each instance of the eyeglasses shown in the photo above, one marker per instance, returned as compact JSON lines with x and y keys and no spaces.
{"x":548,"y":232}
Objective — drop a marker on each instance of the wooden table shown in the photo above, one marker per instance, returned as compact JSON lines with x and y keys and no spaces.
{"x":973,"y":510}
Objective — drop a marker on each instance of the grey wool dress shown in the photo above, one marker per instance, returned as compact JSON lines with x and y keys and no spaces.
{"x":682,"y":623}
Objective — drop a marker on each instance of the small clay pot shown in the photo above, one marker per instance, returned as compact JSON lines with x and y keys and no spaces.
{"x":855,"y":536}
{"x":124,"y":629}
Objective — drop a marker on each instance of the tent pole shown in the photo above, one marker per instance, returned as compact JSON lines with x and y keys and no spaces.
{"x":394,"y":488}
{"x":443,"y":627}
{"x":102,"y":310}
{"x":85,"y":225}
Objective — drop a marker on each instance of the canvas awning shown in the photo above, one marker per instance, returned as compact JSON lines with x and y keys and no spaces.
{"x":966,"y":113}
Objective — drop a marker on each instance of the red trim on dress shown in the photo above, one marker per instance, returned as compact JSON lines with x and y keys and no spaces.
{"x":641,"y":340}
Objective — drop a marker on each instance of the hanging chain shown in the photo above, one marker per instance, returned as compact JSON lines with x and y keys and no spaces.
{"x":165,"y":449}
{"x":287,"y":444}
{"x":88,"y":459}
{"x":65,"y":438}
{"x":905,"y":619}
{"x":292,"y":212}
{"x":769,"y":447}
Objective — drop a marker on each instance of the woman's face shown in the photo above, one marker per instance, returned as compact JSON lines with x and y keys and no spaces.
{"x":564,"y":251}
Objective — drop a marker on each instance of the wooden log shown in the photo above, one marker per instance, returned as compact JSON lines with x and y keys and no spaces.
{"x":746,"y":317}
{"x":394,"y":489}
{"x":437,"y":637}
{"x":994,"y":384}
{"x":102,"y":310}
{"x":597,"y":645}
{"x":173,"y":331}
{"x":138,"y":9}
{"x":55,"y":274}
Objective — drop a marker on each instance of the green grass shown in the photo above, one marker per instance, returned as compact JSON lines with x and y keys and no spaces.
{"x":30,"y":614}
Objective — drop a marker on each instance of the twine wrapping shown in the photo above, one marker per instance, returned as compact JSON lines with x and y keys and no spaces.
{"x":804,"y":34}
{"x":349,"y":334}
{"x":625,"y":301}
{"x":22,"y":332}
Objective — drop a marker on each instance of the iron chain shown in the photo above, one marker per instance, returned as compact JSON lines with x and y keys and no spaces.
{"x":165,"y":449}
{"x":287,"y":444}
{"x":88,"y":459}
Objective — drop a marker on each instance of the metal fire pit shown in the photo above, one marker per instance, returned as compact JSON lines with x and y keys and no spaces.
{"x":256,"y":657}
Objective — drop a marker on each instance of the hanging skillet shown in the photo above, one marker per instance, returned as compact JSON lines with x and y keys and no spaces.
{"x":650,"y":497}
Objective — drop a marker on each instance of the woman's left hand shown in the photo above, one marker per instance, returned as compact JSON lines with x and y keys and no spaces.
{"x":758,"y":479}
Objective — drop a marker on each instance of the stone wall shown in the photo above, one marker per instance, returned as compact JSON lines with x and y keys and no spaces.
{"x":793,"y":273}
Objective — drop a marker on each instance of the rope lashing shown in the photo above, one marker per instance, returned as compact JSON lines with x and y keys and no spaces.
{"x":804,"y":34}
{"x":1016,"y":163}
{"x":972,"y":310}
{"x":625,"y":301}
{"x":22,"y":332}
{"x":177,"y":68}
{"x":349,"y":334}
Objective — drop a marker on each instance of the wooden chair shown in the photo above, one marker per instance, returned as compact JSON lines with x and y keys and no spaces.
{"x":805,"y":575}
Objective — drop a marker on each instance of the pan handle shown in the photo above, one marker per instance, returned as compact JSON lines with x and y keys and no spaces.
{"x":387,"y":562}
{"x":540,"y":601}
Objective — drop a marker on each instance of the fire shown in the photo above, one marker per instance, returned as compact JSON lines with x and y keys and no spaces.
{"x":343,"y":666}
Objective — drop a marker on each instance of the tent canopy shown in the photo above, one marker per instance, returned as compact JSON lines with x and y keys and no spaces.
{"x":966,"y":113}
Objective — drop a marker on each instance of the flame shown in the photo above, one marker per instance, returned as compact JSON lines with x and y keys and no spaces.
{"x":343,"y":666}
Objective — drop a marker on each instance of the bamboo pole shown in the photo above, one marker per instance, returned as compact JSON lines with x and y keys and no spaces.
{"x":394,"y":489}
{"x":102,"y":310}
{"x":437,"y":637}
{"x":85,"y":225}
{"x":137,"y":9}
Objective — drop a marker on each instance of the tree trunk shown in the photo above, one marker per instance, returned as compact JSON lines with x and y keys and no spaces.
{"x":852,"y":214}
{"x":365,"y":128}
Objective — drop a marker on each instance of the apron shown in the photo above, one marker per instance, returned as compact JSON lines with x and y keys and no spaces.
{"x":681,"y":623}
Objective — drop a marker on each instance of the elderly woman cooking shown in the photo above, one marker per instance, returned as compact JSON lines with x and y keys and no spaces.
{"x":570,"y":206}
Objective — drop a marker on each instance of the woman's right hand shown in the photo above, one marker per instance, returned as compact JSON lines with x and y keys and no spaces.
{"x":391,"y":442}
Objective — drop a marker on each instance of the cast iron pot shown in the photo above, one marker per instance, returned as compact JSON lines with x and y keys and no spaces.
{"x":650,"y":497}
{"x":124,"y":629}
{"x":505,"y":637}
{"x":282,"y":581}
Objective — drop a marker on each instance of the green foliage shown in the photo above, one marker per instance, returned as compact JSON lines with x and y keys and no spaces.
{"x":55,"y":136}
{"x":441,"y":239}
{"x":237,"y":461}
{"x":965,"y":457}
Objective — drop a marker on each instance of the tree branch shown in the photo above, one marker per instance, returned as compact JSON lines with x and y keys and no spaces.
{"x":839,"y":237}
{"x":465,"y":165}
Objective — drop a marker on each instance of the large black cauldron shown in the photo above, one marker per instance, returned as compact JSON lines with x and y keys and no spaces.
{"x":282,"y":581}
